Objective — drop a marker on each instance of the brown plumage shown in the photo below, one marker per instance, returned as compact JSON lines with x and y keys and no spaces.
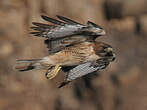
{"x":70,"y":56}
{"x":71,"y":45}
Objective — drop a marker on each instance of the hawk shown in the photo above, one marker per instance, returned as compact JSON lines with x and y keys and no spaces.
{"x":71,"y":45}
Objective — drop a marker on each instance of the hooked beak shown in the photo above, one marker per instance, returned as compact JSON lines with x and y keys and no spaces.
{"x":110,"y":54}
{"x":114,"y":56}
{"x":103,"y":32}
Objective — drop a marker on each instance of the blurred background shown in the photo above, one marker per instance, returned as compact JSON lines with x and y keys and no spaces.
{"x":121,"y":86}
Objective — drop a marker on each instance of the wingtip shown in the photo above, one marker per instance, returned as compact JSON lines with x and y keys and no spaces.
{"x":34,"y":23}
{"x":67,"y":20}
{"x":60,"y":17}
{"x":43,"y":16}
{"x":52,"y":20}
{"x":90,"y":23}
{"x":57,"y":16}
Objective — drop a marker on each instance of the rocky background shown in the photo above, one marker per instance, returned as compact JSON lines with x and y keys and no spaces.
{"x":121,"y":86}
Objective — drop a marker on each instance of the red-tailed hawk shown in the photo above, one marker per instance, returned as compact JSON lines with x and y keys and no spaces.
{"x":70,"y":44}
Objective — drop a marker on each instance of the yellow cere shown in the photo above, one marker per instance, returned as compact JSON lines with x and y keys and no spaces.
{"x":109,"y":49}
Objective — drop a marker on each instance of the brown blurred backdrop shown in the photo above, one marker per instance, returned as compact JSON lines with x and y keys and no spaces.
{"x":121,"y":86}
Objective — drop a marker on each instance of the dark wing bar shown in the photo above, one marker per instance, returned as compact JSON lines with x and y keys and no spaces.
{"x":67,"y":20}
{"x":40,"y":24}
{"x":54,"y":21}
{"x":93,"y":24}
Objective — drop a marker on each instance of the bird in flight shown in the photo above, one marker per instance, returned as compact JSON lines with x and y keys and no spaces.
{"x":70,"y":44}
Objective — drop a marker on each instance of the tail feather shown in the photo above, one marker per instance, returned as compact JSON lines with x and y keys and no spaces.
{"x":26,"y":65}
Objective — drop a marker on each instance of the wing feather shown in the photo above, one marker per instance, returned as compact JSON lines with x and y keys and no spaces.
{"x":60,"y":29}
{"x":66,"y":28}
{"x":40,"y":24}
{"x":67,"y":20}
{"x":81,"y":70}
{"x":91,"y":24}
{"x":60,"y":35}
{"x":54,"y":21}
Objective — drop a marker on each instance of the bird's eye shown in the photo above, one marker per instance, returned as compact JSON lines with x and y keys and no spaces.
{"x":108,"y":50}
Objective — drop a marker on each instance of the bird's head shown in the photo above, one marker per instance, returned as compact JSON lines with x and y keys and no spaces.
{"x":104,"y":50}
{"x":95,"y":30}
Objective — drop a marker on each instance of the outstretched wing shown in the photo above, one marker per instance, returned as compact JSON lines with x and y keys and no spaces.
{"x":65,"y":32}
{"x":61,"y":29}
{"x":82,"y":70}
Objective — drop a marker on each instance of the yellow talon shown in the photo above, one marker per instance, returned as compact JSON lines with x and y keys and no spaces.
{"x":54,"y":72}
{"x":57,"y":68}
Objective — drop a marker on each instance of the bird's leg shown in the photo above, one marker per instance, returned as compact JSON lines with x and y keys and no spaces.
{"x":48,"y":71}
{"x":52,"y":72}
